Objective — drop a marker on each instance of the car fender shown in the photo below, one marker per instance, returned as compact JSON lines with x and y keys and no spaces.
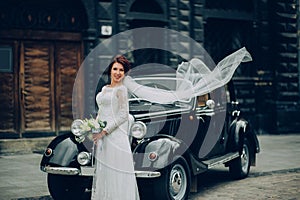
{"x":239,"y":130}
{"x":244,"y":130}
{"x":164,"y":146}
{"x":236,"y":134}
{"x":64,"y":151}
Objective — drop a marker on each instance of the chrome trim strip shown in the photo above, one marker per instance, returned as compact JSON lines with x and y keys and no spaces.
{"x":205,"y":109}
{"x":206,"y":114}
{"x":61,"y":170}
{"x":200,"y":112}
{"x":223,"y":159}
{"x":147,"y":174}
{"x":162,"y":113}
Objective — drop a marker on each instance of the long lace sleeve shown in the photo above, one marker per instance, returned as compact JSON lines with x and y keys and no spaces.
{"x":121,"y":113}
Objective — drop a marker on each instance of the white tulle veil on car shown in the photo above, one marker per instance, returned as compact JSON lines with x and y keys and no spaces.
{"x":200,"y":79}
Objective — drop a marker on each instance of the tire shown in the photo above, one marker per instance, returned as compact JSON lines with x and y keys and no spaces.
{"x":173,"y":184}
{"x":239,"y":168}
{"x":66,"y":187}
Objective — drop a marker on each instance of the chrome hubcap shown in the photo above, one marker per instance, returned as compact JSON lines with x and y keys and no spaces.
{"x":178,"y":182}
{"x":245,"y":158}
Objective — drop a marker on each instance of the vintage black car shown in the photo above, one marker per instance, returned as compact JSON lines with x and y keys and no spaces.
{"x":171,"y":145}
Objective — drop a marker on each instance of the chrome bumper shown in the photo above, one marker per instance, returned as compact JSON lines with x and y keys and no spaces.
{"x":61,"y":170}
{"x":90,"y":171}
{"x":147,"y":174}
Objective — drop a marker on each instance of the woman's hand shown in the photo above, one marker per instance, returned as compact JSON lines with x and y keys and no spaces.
{"x":98,"y":136}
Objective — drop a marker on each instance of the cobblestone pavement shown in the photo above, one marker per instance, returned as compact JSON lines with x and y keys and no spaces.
{"x":217,"y":185}
{"x":279,"y":185}
{"x":276,"y":176}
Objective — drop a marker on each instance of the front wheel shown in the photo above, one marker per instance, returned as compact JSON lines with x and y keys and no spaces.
{"x":173,"y":184}
{"x":240,"y":167}
{"x":66,"y":187}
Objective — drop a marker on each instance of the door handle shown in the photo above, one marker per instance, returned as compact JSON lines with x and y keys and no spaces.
{"x":24,"y":92}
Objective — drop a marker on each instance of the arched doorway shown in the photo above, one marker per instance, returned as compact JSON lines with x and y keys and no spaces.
{"x":45,"y":41}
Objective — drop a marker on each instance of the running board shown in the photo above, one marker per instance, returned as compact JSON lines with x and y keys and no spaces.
{"x":220,"y":160}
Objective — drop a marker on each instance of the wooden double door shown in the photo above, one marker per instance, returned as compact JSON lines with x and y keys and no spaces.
{"x":40,"y":88}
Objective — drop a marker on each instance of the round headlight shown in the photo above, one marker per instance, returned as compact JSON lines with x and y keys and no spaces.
{"x":210,"y":103}
{"x":76,"y":127}
{"x":138,"y":130}
{"x":84,"y":158}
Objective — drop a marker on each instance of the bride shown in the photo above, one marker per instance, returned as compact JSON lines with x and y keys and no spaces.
{"x":115,"y":177}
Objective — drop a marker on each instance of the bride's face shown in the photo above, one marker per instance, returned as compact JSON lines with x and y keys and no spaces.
{"x":117,"y":73}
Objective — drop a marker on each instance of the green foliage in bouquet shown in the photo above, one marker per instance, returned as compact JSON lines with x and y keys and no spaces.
{"x":93,"y":125}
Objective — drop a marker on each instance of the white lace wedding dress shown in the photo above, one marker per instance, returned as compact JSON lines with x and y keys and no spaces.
{"x":114,"y":178}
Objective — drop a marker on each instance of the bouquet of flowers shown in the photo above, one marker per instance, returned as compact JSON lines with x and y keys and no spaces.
{"x":92,"y":125}
{"x":86,"y":127}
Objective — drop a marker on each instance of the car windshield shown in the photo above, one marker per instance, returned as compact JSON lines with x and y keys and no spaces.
{"x":165,"y":83}
{"x":141,"y":107}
